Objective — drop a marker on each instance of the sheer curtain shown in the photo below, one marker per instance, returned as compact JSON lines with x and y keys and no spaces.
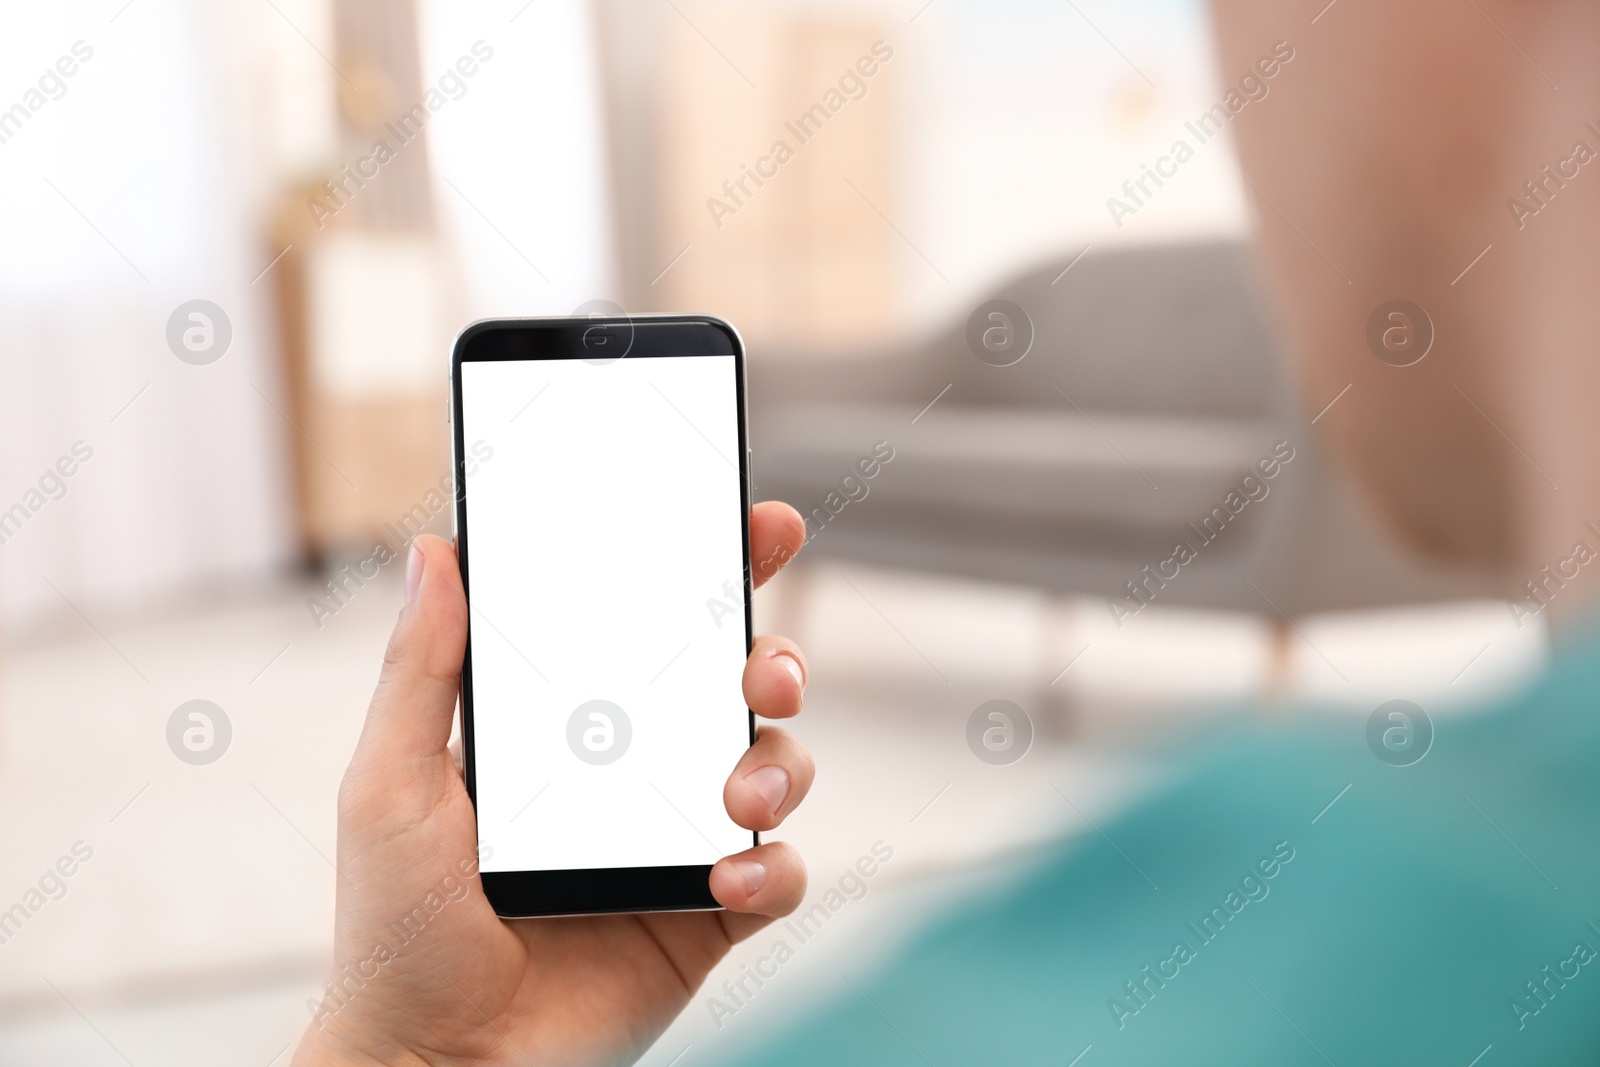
{"x":124,"y":200}
{"x":143,"y":180}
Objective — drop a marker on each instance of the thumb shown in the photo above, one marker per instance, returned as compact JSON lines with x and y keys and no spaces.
{"x":414,"y":705}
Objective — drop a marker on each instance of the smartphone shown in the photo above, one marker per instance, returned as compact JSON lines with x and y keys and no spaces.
{"x":602,"y":527}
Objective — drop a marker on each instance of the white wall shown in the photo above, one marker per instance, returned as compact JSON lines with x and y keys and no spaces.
{"x":1022,"y":119}
{"x":519,"y":168}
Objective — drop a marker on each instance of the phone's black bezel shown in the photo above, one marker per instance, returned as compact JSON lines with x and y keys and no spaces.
{"x":526,"y":894}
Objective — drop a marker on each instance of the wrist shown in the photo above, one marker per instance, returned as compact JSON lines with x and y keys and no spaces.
{"x":323,"y":1048}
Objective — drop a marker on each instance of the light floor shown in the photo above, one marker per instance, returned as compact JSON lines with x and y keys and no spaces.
{"x":200,"y":926}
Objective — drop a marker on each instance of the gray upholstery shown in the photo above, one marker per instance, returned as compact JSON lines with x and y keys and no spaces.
{"x":1153,"y":386}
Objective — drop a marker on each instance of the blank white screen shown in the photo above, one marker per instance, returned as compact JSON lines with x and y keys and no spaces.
{"x":606,"y":519}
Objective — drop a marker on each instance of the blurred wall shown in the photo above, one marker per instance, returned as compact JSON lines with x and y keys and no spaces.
{"x":520,"y":167}
{"x":989,"y":141}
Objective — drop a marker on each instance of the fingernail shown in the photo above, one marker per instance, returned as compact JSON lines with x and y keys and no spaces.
{"x":754,"y":873}
{"x":772,"y":782}
{"x":789,"y":663}
{"x":413,"y":572}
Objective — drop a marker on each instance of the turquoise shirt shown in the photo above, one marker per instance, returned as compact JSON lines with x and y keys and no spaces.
{"x":1316,"y":905}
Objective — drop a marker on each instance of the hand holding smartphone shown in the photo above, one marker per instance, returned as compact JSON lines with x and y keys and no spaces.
{"x":579,"y":568}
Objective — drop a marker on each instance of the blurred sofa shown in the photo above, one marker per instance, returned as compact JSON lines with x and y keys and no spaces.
{"x":1154,"y":387}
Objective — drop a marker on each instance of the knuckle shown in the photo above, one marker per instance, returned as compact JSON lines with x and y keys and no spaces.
{"x":352,"y":799}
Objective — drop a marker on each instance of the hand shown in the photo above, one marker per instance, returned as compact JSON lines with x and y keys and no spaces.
{"x":470,"y":987}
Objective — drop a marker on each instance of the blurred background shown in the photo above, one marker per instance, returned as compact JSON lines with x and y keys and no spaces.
{"x":241,"y":238}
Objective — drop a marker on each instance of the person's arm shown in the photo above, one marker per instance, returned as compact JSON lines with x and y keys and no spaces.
{"x":469,"y":987}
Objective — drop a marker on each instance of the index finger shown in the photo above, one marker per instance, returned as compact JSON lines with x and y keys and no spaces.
{"x":777,"y":533}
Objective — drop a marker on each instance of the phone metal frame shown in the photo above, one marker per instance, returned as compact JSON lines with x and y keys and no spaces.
{"x":604,"y":890}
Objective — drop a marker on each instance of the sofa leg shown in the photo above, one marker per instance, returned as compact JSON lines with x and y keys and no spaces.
{"x":1277,"y":682}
